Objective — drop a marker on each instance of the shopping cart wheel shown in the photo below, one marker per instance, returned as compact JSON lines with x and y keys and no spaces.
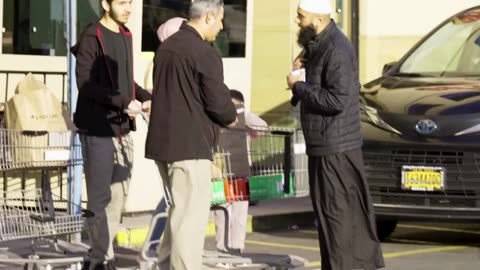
{"x":30,"y":266}
{"x":76,"y":266}
{"x":146,"y":265}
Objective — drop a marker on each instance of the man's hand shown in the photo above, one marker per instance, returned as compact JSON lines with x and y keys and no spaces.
{"x":295,"y":76}
{"x":133,"y":109}
{"x":233,"y":124}
{"x":147,"y":106}
{"x":297,"y":63}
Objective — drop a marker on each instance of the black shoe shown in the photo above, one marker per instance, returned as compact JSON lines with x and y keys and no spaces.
{"x":86,"y":265}
{"x":235,"y":251}
{"x":106,"y":265}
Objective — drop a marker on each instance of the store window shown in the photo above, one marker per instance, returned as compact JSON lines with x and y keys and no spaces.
{"x":341,"y":15}
{"x":87,"y":11}
{"x":37,"y":27}
{"x":156,"y":12}
{"x":230,"y":42}
{"x":346,"y":17}
{"x":34,"y":27}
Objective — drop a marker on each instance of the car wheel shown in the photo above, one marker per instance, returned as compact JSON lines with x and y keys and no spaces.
{"x":385,"y":228}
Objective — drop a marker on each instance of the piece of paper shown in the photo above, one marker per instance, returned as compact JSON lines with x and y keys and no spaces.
{"x":299,"y":148}
{"x":57,"y":155}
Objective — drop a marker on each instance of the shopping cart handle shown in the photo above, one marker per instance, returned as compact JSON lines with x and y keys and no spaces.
{"x":34,"y":132}
{"x":87,"y":213}
{"x":282,"y":132}
{"x":142,"y":113}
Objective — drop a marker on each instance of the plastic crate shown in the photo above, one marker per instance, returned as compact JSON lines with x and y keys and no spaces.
{"x":218,"y":191}
{"x":236,"y":189}
{"x":264,"y":187}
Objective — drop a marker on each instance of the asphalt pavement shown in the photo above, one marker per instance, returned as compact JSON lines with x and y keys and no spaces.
{"x":282,"y":236}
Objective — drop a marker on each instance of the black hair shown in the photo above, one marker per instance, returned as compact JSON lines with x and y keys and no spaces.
{"x":235,"y":94}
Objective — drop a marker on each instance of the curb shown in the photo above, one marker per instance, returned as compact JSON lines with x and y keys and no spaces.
{"x":135,"y":237}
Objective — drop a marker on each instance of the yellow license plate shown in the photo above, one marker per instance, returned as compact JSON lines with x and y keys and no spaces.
{"x":423,"y":178}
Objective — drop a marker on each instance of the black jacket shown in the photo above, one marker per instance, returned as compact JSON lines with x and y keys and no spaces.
{"x":100,"y":106}
{"x":189,"y":100}
{"x":330,"y":113}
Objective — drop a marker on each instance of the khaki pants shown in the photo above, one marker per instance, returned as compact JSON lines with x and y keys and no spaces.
{"x":189,"y":185}
{"x":237,"y":225}
{"x":107,"y":167}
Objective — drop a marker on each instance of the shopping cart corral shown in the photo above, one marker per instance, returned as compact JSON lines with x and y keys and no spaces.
{"x":271,"y":154}
{"x":37,"y":213}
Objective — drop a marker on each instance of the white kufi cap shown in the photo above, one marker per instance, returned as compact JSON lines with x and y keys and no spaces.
{"x":316,"y":6}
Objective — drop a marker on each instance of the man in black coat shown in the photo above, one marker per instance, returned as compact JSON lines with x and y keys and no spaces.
{"x":190,"y":102}
{"x":330,"y":118}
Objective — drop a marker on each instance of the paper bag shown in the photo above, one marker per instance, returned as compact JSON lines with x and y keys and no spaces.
{"x":36,"y":122}
{"x":35,"y":108}
{"x":218,"y":164}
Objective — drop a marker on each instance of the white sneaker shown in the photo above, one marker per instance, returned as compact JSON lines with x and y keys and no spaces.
{"x":224,"y":265}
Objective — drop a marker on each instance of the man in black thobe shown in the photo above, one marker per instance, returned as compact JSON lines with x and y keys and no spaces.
{"x":331,"y":125}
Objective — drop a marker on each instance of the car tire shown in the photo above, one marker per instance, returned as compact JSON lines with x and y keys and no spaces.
{"x":385,"y":228}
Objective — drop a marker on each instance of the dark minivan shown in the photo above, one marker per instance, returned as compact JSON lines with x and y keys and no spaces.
{"x":421,"y":126}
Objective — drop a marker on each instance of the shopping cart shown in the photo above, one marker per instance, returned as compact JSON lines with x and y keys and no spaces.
{"x":37,"y":213}
{"x":278,"y":165}
{"x":269,"y":155}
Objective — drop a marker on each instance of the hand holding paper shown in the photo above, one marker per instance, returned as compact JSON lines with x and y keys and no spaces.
{"x":295,"y":76}
{"x":135,"y":109}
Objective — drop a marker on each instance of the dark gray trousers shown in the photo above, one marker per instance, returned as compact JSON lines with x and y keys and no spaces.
{"x":342,"y":203}
{"x":107,"y":167}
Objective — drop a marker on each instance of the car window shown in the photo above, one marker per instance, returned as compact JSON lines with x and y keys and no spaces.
{"x":453,"y":50}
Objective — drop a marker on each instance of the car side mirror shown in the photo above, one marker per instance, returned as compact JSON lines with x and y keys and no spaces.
{"x":388,"y":67}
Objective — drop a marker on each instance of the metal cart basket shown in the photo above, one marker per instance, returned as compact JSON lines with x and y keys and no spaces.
{"x":37,"y":213}
{"x":30,"y":214}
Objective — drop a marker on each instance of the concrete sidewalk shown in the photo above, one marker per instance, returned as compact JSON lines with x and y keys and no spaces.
{"x":266,"y":215}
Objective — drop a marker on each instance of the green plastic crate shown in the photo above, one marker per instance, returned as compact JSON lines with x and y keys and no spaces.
{"x":218,"y":192}
{"x":264,"y":187}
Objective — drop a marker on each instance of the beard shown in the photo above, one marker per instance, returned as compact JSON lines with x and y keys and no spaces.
{"x":305,"y":35}
{"x":116,"y":16}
